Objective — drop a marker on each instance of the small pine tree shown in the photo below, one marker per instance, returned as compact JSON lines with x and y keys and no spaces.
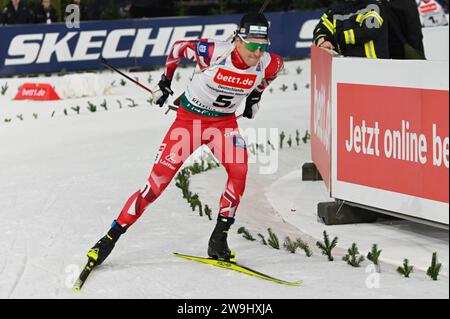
{"x":251,"y":148}
{"x":306,"y":137}
{"x":91,"y":107}
{"x":103,"y":105}
{"x":326,"y":246}
{"x":245,"y":233}
{"x":406,"y":269}
{"x":20,"y":116}
{"x":8,"y":120}
{"x":273,"y":239}
{"x":373,"y":256}
{"x":35,"y":116}
{"x":187,"y":194}
{"x":282,"y":136}
{"x":186,"y":173}
{"x":298,"y":70}
{"x":211,"y":163}
{"x":184,"y":186}
{"x":65,"y":112}
{"x":182,"y":182}
{"x":122,"y":82}
{"x":53,"y":113}
{"x":208,"y":212}
{"x":290,"y":245}
{"x":179,"y":182}
{"x":289,"y":141}
{"x":195,"y":202}
{"x":133,"y":104}
{"x":435,"y":268}
{"x":295,"y":86}
{"x":304,"y":246}
{"x":196,"y":168}
{"x":76,"y":109}
{"x":120,"y":104}
{"x":4,"y":88}
{"x":261,"y":148}
{"x":200,"y":208}
{"x":353,"y":258}
{"x":297,"y":137}
{"x":263,"y":240}
{"x":284,"y":87}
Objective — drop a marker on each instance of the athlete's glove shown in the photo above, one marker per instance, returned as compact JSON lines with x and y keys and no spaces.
{"x":160,"y":96}
{"x":252,"y":104}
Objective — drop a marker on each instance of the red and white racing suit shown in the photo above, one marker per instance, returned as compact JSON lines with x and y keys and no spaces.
{"x":206,"y":116}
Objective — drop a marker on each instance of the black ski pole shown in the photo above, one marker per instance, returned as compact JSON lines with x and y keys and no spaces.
{"x":109,"y":66}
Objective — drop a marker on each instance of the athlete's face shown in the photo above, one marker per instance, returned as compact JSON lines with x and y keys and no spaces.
{"x":251,"y":58}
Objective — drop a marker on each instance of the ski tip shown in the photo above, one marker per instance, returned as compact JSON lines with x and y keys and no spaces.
{"x":297,"y":283}
{"x":77,"y":286}
{"x":289,"y":283}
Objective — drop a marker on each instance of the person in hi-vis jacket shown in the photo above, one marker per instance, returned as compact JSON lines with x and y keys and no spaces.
{"x":355,"y":29}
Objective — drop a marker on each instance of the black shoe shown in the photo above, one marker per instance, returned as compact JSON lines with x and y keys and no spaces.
{"x":105,"y":245}
{"x":218,"y":246}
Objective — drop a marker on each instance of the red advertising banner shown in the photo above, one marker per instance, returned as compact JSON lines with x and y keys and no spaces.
{"x":37,"y":92}
{"x":321,"y":64}
{"x":424,"y":8}
{"x":394,"y":138}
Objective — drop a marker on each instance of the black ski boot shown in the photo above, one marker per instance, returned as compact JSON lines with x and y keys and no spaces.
{"x":105,"y":245}
{"x":218,"y":246}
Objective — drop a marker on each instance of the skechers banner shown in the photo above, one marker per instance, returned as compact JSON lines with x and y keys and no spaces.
{"x":127,"y":43}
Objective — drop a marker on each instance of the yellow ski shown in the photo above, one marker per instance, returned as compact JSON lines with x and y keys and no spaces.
{"x":83,"y":276}
{"x":239,"y":268}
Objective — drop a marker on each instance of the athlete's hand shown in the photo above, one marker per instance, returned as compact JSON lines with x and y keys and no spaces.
{"x":252,"y":104}
{"x":160,"y":95}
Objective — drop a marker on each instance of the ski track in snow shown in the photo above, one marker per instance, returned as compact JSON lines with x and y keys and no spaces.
{"x":20,"y":275}
{"x":64,"y":179}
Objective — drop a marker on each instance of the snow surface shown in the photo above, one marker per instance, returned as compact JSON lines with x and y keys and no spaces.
{"x":63,"y":179}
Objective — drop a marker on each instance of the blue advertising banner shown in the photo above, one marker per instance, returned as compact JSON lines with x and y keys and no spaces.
{"x":41,"y":48}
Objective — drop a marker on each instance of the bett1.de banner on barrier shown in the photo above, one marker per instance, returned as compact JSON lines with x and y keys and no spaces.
{"x":41,"y":48}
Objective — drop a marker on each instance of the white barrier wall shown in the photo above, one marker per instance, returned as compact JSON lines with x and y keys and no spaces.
{"x":389,"y":133}
{"x":435,"y":42}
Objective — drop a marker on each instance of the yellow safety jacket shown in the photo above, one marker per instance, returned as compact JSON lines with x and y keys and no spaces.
{"x":356,"y":28}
